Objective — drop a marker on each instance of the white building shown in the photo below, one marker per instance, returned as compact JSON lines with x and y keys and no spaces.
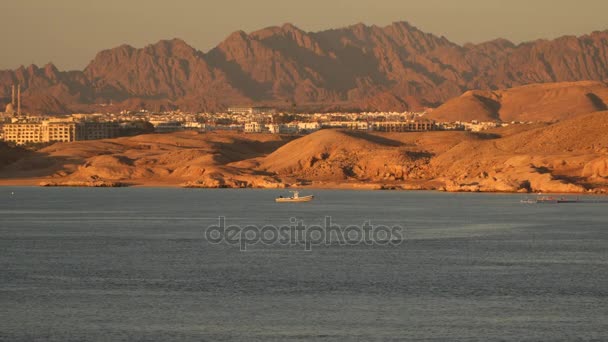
{"x":290,"y":128}
{"x":354,"y":125}
{"x":273,"y":128}
{"x":251,"y":110}
{"x":307,"y":127}
{"x":254,"y":127}
{"x":195,"y":126}
{"x":166,"y":126}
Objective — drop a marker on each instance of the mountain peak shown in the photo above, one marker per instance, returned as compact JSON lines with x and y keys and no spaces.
{"x":404,"y":25}
{"x":174,"y":42}
{"x":32,"y":68}
{"x":50,"y":70}
{"x":290,"y":27}
{"x":168,"y":47}
{"x":283,"y":30}
{"x":239,"y":35}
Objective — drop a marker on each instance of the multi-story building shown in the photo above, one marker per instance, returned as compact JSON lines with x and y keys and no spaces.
{"x":195,"y":126}
{"x":23,"y":133}
{"x":58,"y":131}
{"x":93,"y":130}
{"x":166,"y":126}
{"x":308,"y":127}
{"x":251,"y":110}
{"x":289,"y":128}
{"x":254,"y":127}
{"x":354,"y":125}
{"x":403,"y":126}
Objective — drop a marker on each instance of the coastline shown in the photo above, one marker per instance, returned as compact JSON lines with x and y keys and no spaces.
{"x":354,"y":186}
{"x":519,"y":161}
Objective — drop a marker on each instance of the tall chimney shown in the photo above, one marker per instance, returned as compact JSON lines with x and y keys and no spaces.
{"x":19,"y":100}
{"x":13,"y":95}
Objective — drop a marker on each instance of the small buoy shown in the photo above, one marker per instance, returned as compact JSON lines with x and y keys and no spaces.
{"x":12,"y":192}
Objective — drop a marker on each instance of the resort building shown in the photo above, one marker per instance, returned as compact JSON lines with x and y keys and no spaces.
{"x":308,"y":127}
{"x":91,"y":130}
{"x":162,"y":126}
{"x":60,"y":131}
{"x":24,"y":132}
{"x":251,"y":110}
{"x":403,"y":126}
{"x":254,"y":127}
{"x":354,"y":125}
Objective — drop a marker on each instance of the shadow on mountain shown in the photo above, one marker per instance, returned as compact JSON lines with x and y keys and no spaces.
{"x":37,"y":164}
{"x":340,"y":73}
{"x":237,"y":76}
{"x":597,"y":102}
{"x":242,"y":149}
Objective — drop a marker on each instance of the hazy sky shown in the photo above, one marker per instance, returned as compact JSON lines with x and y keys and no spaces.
{"x":70,"y":32}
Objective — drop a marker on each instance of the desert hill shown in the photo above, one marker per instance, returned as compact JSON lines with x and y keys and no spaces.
{"x":338,"y":156}
{"x":567,"y":156}
{"x":535,"y":102}
{"x":396,"y":67}
{"x":147,"y":159}
{"x":10,"y":154}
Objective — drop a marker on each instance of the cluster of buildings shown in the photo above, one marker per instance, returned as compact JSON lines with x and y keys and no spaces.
{"x":34,"y":131}
{"x":308,"y":127}
{"x":20,"y":129}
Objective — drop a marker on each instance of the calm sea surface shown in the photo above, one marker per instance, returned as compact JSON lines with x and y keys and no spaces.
{"x":133,"y":264}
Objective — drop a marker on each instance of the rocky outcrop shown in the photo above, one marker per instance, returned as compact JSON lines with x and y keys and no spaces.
{"x":92,"y":183}
{"x":596,"y":169}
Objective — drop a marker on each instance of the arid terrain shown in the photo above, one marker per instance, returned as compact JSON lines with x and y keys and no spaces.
{"x":568,"y":156}
{"x":393,"y":68}
{"x":535,"y":102}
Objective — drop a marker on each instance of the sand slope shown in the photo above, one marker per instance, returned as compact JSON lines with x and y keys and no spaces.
{"x":536,"y":102}
{"x":568,"y":156}
{"x":162,"y":159}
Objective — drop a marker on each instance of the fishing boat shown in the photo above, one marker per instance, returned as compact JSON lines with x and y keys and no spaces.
{"x":295,"y":197}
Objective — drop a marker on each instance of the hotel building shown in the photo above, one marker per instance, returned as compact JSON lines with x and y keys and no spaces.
{"x":58,"y":131}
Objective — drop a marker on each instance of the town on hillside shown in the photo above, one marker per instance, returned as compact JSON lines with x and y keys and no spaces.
{"x":19,"y":128}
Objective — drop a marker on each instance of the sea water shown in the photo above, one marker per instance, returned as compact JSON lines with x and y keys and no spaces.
{"x":134,"y":264}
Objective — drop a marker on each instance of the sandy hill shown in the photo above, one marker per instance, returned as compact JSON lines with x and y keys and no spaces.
{"x":336,"y":155}
{"x":10,"y":154}
{"x":581,"y":134}
{"x":537,"y":102}
{"x":157,"y":159}
{"x":567,"y":156}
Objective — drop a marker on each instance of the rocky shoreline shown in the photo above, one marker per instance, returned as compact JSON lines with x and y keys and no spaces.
{"x":453,"y":188}
{"x":570,"y":156}
{"x":84,"y":184}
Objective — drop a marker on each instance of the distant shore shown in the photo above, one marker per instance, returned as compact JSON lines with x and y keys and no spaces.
{"x":315,"y":186}
{"x":570,"y":156}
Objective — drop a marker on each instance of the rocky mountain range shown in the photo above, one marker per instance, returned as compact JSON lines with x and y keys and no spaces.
{"x":397,"y":67}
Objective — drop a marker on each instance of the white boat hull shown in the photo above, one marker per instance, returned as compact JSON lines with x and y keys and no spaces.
{"x":292,"y":199}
